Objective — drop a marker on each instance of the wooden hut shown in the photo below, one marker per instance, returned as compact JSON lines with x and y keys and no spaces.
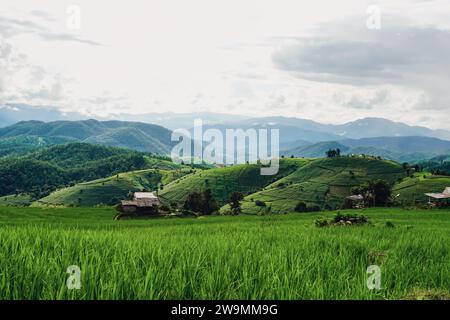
{"x":439,"y":196}
{"x":142,"y":203}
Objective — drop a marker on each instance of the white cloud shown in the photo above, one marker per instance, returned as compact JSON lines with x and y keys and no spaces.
{"x":211,"y":55}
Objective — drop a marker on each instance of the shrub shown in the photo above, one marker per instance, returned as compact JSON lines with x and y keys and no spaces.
{"x":322,"y":222}
{"x":389,"y":224}
{"x":235,"y":203}
{"x":301,"y":207}
{"x":342,"y":220}
{"x":350,"y":219}
{"x":260,"y":203}
{"x":164,"y":208}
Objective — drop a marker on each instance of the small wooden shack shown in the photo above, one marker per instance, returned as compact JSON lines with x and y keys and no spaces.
{"x":439,"y":196}
{"x":142,"y":203}
{"x":356,"y":200}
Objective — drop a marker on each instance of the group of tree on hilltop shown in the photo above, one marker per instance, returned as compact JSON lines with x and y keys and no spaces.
{"x":333,"y":153}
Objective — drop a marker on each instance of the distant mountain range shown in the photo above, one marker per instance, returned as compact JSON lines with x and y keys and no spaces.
{"x":310,"y":130}
{"x":13,"y":113}
{"x":362,"y":128}
{"x":413,"y":148}
{"x":300,"y":137}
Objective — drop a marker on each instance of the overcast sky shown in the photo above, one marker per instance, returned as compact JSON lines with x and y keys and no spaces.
{"x":308,"y":59}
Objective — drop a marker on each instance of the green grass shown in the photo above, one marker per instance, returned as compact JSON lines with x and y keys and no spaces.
{"x":322,"y":182}
{"x":245,"y":178}
{"x":242,"y":257}
{"x":110,"y":191}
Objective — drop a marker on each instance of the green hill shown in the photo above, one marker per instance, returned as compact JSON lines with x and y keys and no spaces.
{"x":316,"y":150}
{"x":109,"y":191}
{"x":439,"y":165}
{"x":400,"y":149}
{"x":16,"y":200}
{"x":19,"y":145}
{"x":411,"y":190}
{"x":132,"y":135}
{"x":46,"y":170}
{"x":131,"y":138}
{"x":75,"y":154}
{"x":321,"y":182}
{"x":245,"y":178}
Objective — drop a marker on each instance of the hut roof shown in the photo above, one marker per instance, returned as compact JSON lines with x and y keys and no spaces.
{"x":447,"y":191}
{"x":355,"y":197}
{"x":444,"y":195}
{"x":141,"y":202}
{"x":144,"y":195}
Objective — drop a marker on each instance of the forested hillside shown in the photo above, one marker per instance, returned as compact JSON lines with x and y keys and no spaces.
{"x":43,"y":171}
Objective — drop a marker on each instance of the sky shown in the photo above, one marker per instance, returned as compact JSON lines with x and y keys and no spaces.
{"x":329,"y":61}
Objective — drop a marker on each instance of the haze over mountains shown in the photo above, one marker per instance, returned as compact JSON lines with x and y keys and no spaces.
{"x":13,"y":113}
{"x":19,"y":131}
{"x":401,"y":149}
{"x":362,"y":128}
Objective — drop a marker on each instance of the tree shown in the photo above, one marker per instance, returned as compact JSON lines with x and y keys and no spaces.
{"x":235,"y":202}
{"x":209,"y":203}
{"x":332,"y":153}
{"x":376,"y":193}
{"x":201,"y":202}
{"x":301,"y":207}
{"x":193,"y":202}
{"x":406,"y":167}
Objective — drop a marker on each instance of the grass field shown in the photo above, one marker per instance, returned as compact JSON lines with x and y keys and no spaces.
{"x":221,"y":257}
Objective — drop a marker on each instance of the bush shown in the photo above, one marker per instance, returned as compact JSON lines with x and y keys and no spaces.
{"x":313,"y":208}
{"x":350,"y":219}
{"x":189,"y":213}
{"x":342,"y":220}
{"x":301,"y":207}
{"x":321,"y":222}
{"x":260,"y":203}
{"x":164,"y":208}
{"x":389,"y":224}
